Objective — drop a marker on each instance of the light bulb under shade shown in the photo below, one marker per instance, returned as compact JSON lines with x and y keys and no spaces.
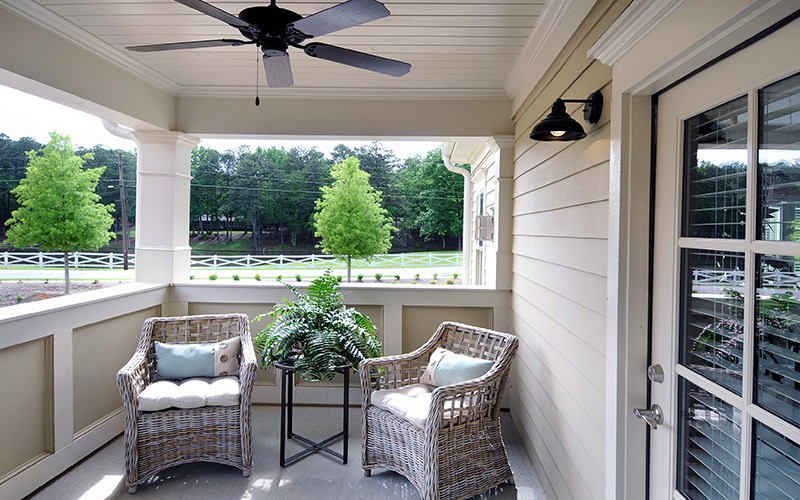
{"x":558,"y":133}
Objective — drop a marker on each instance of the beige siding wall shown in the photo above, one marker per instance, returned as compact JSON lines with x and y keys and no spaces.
{"x":560,"y":215}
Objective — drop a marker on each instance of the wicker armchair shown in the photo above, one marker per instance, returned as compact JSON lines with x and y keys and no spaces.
{"x":156,"y":440}
{"x":456,"y":450}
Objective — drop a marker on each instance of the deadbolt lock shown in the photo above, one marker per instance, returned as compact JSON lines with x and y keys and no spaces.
{"x":655,"y":373}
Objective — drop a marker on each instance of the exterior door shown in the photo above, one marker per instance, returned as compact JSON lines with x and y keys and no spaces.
{"x":726,"y":280}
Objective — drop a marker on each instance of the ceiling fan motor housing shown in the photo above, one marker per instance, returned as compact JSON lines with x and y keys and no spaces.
{"x":271,"y":19}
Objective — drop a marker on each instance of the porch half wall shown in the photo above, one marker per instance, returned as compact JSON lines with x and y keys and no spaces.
{"x":59,"y":357}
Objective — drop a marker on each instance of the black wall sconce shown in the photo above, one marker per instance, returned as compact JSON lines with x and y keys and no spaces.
{"x":559,"y":126}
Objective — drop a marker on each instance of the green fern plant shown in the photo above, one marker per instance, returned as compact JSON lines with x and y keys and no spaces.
{"x":316,"y":332}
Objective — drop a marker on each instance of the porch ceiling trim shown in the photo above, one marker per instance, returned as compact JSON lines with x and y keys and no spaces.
{"x":557,"y":24}
{"x":46,"y":19}
{"x":342,"y":93}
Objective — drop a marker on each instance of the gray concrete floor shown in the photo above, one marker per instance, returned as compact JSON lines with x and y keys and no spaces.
{"x":101,"y":475}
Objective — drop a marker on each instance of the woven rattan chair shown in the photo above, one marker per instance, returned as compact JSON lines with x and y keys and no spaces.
{"x":459,"y":451}
{"x":160,"y":439}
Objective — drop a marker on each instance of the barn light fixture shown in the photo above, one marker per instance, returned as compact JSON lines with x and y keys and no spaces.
{"x":559,"y":126}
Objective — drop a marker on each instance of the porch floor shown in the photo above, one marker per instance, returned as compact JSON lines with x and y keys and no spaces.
{"x":101,"y":475}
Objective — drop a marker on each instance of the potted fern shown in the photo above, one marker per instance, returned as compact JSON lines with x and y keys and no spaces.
{"x":316,"y":333}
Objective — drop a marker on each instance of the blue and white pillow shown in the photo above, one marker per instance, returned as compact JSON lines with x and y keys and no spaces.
{"x":446,"y":368}
{"x":179,"y":361}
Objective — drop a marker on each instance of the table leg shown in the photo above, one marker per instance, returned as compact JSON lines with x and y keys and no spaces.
{"x":345,"y":414}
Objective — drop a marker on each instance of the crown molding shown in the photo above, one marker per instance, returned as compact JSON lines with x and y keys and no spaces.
{"x":501,"y":141}
{"x":238,"y":92}
{"x":636,"y":22}
{"x":556,"y":25}
{"x":49,"y":21}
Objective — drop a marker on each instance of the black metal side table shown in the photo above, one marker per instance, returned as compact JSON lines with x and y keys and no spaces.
{"x":287,"y":403}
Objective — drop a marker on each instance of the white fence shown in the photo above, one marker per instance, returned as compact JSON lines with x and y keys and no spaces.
{"x":83,"y":260}
{"x":771,"y":279}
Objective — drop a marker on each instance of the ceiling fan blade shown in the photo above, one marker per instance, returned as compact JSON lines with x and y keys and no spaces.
{"x":215,"y":12}
{"x":199,"y":44}
{"x":361,"y":60}
{"x":345,"y":15}
{"x":278,"y":69}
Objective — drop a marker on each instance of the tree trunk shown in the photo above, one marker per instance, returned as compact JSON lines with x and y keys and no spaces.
{"x":66,"y":273}
{"x":254,"y":228}
{"x":348,"y":268}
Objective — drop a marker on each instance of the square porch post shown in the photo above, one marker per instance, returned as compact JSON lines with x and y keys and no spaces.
{"x":163,"y":177}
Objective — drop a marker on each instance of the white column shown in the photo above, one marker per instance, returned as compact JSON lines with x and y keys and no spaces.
{"x":163,"y":176}
{"x":504,"y":204}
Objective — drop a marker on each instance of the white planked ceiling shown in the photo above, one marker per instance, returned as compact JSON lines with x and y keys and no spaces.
{"x":457,"y":48}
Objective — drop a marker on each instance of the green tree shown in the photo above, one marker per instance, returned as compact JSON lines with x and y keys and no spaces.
{"x":207,"y":193}
{"x":350,"y":219}
{"x":59,"y":207}
{"x":13,"y":161}
{"x":252,"y":174}
{"x":301,"y":175}
{"x":434,"y":197}
{"x":108,"y":186}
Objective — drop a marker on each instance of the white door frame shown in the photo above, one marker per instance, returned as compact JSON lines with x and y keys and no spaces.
{"x":649,"y":48}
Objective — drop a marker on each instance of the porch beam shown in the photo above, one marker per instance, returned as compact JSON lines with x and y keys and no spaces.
{"x":342,"y":119}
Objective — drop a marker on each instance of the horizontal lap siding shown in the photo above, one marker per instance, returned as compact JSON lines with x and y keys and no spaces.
{"x":559,"y":300}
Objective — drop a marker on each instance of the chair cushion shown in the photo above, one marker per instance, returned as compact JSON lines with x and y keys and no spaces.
{"x":179,"y":361}
{"x":410,"y":402}
{"x":446,"y":368}
{"x":190,"y":393}
{"x":413,"y":403}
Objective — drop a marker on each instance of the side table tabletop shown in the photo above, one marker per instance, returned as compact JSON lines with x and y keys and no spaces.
{"x":287,"y":404}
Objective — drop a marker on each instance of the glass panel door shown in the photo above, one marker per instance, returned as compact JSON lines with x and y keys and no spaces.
{"x":713,"y":284}
{"x":726,"y":304}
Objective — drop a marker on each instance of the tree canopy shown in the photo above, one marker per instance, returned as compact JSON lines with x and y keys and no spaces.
{"x":350,"y":219}
{"x":270,"y":193}
{"x":59,"y":207}
{"x":433,"y":197}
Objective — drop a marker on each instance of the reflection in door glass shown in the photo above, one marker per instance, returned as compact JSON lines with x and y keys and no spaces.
{"x":708,"y":466}
{"x":712,"y":315}
{"x":779,"y":161}
{"x":777,"y":349}
{"x":715,"y":172}
{"x":777,"y":465}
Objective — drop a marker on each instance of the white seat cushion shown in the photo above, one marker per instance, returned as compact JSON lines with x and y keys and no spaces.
{"x":410,"y":402}
{"x":190,"y":393}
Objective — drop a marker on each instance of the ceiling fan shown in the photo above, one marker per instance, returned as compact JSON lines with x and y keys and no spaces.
{"x":274,"y":30}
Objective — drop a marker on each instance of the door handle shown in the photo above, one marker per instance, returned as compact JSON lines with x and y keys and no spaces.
{"x":654,"y":416}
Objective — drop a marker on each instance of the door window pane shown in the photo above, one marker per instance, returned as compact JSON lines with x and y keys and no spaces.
{"x":709,"y":457}
{"x":777,"y":349}
{"x":776,"y":474}
{"x":712,"y":323}
{"x":779,"y":161}
{"x":715,"y":172}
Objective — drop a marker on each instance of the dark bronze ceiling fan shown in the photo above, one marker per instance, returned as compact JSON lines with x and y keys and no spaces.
{"x":274,"y":29}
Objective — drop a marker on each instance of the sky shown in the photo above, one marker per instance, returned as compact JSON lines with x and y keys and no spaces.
{"x":25,"y":115}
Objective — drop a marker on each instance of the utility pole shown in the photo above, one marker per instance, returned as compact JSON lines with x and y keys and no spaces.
{"x":123,"y":216}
